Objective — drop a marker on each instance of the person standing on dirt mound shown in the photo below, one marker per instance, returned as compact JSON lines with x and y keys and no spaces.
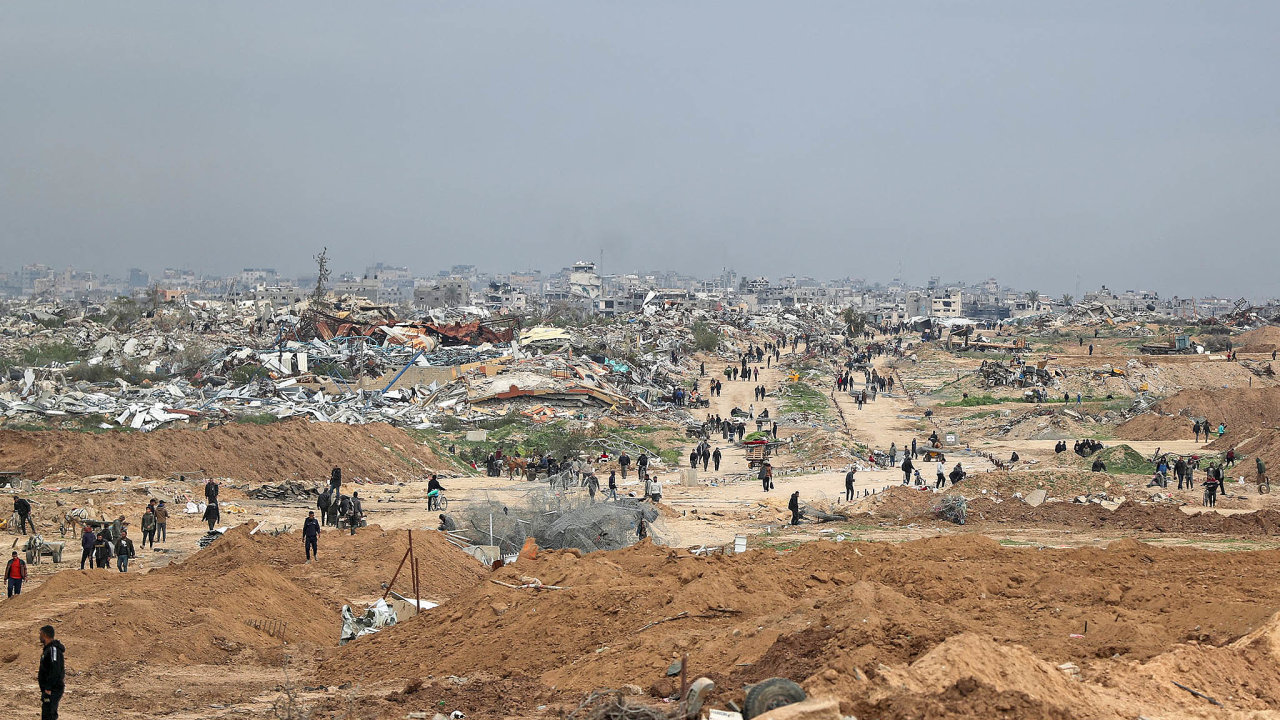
{"x":311,"y":536}
{"x":335,"y":481}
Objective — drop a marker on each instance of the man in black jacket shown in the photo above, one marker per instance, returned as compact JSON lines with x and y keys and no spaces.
{"x":357,"y":512}
{"x":794,"y":506}
{"x":124,"y":551}
{"x":52,"y":674}
{"x":211,"y":492}
{"x":23,"y":508}
{"x":311,"y":535}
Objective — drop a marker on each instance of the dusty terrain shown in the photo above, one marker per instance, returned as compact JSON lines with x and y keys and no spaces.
{"x":1068,"y":609}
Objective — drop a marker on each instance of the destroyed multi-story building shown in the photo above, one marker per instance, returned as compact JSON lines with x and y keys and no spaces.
{"x":448,"y":292}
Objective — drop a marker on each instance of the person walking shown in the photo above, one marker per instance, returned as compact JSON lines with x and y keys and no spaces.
{"x":87,"y":541}
{"x":212,"y":515}
{"x":907,"y":467}
{"x":52,"y":674}
{"x":148,"y":528}
{"x":848,"y":485}
{"x":766,"y":476}
{"x":311,"y":536}
{"x":211,"y":492}
{"x":613,"y":485}
{"x":14,"y":573}
{"x":162,"y":522}
{"x":893,"y":453}
{"x":1211,"y":483}
{"x":914,"y":453}
{"x":794,"y":506}
{"x":22,"y":507}
{"x":624,"y":462}
{"x":102,"y":550}
{"x":715,"y":459}
{"x":124,"y":551}
{"x":941,"y":482}
{"x":335,"y":481}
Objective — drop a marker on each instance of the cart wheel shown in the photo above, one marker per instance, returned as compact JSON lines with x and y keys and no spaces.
{"x":31,"y":557}
{"x":1264,"y":487}
{"x":57,"y":556}
{"x":770,"y":694}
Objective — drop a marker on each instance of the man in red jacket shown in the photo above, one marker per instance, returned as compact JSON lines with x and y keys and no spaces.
{"x":14,"y":573}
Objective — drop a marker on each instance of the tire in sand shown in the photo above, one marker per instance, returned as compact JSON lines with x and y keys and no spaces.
{"x":769,"y":694}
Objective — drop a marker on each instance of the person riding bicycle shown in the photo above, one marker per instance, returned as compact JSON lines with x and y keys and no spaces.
{"x":434,"y":488}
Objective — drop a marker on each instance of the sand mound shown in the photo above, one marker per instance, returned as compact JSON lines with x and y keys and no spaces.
{"x":199,"y":611}
{"x":295,"y":449}
{"x":1261,"y":340}
{"x":1244,"y":410}
{"x":834,"y":615}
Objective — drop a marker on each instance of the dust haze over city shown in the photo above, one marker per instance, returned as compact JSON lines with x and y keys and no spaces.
{"x":1133,"y":145}
{"x":640,"y":361}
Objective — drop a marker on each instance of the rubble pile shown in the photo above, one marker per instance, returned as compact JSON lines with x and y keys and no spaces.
{"x":210,"y":362}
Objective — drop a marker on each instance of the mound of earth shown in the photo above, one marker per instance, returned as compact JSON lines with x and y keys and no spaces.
{"x":906,"y":625}
{"x":296,"y":449}
{"x":1244,"y":410}
{"x":1264,"y":444}
{"x":1260,"y":340}
{"x":209,"y":609}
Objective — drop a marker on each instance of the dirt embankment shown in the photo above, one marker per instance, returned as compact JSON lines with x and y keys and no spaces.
{"x":899,"y":628}
{"x":1244,"y":411}
{"x":291,"y":450}
{"x":904,"y":506}
{"x":200,"y":612}
{"x":1261,"y":340}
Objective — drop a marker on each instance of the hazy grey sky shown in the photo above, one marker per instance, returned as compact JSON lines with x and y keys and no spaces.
{"x":1131,"y":143}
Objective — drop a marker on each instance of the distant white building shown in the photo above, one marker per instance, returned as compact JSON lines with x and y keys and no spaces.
{"x":584,"y":282}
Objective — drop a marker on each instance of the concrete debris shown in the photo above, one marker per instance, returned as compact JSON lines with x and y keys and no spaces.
{"x":374,"y":618}
{"x":208,"y":363}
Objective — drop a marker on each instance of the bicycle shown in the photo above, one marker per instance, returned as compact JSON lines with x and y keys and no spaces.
{"x":438,"y":502}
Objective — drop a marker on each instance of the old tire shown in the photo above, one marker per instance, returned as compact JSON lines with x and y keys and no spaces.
{"x":769,"y":694}
{"x":57,"y":555}
{"x":31,"y":557}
